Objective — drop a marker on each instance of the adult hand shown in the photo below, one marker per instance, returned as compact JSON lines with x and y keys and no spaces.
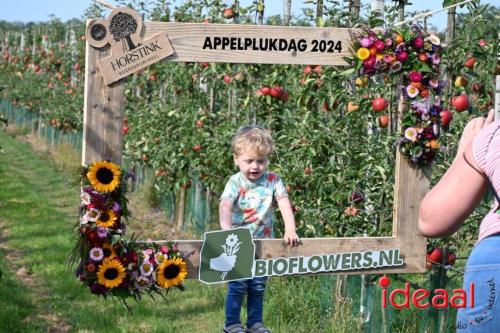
{"x":472,"y":128}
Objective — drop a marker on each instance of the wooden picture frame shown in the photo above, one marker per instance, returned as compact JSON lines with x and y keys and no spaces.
{"x":102,"y":137}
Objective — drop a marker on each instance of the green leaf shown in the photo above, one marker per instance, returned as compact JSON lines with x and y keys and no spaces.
{"x":348,"y":72}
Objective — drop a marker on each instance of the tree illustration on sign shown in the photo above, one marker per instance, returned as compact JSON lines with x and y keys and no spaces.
{"x":122,"y":26}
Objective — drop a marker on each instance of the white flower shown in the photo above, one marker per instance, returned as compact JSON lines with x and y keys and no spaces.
{"x":411,"y":134}
{"x":142,"y":282}
{"x":411,"y":91}
{"x":92,"y":215}
{"x":434,"y":40}
{"x":159,"y":257}
{"x":231,"y":240}
{"x":96,"y":254}
{"x":85,"y":197}
{"x":146,"y":268}
{"x":84,"y":220}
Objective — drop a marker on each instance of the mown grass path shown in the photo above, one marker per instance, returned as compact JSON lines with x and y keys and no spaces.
{"x":39,"y":293}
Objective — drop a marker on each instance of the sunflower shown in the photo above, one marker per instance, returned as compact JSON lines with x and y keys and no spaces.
{"x":111,"y":273}
{"x":106,"y":219}
{"x":104,"y":176}
{"x":108,"y":251}
{"x":171,"y":272}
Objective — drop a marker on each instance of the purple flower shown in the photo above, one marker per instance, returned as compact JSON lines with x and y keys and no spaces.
{"x":102,"y":232}
{"x":396,"y":67}
{"x":366,"y":42}
{"x":98,"y":289}
{"x":436,"y":59}
{"x":433,"y":83}
{"x":130,"y":175}
{"x":116,"y":207}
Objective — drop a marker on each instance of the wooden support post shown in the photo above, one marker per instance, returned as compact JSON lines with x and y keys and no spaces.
{"x":102,"y":116}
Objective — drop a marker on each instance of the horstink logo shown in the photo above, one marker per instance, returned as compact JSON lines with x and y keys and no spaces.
{"x":227,"y":255}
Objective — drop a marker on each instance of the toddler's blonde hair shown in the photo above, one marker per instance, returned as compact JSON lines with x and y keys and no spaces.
{"x":254,"y":136}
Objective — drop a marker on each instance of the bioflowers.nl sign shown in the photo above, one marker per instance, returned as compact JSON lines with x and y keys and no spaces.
{"x":228,"y":255}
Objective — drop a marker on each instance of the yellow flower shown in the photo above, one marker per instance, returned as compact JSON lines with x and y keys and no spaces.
{"x":363,"y":53}
{"x":111,"y":273}
{"x":171,"y":272}
{"x":109,"y":251}
{"x":106,"y":219}
{"x":104,"y":176}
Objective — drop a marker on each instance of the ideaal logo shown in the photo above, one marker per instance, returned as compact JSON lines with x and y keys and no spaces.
{"x":420,"y":297}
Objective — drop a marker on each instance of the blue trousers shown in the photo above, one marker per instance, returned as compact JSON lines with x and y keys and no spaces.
{"x":237,"y":290}
{"x":482,"y":269}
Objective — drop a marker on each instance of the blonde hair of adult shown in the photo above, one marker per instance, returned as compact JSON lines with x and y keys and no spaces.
{"x":255,"y":137}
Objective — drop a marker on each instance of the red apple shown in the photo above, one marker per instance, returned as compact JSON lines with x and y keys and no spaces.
{"x":265,"y":90}
{"x":318,"y":69}
{"x":228,"y":13}
{"x":199,"y":123}
{"x":379,"y":104}
{"x":446,"y":117}
{"x":227,"y":79}
{"x":276,"y":91}
{"x":460,"y":103}
{"x":451,"y":258}
{"x":197,"y":148}
{"x":435,"y":255}
{"x":307,"y":70}
{"x":125,"y":129}
{"x":469,"y":63}
{"x":285,"y":95}
{"x":308,"y":171}
{"x":383,"y":121}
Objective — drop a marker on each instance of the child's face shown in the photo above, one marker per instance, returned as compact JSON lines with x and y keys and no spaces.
{"x":251,"y":163}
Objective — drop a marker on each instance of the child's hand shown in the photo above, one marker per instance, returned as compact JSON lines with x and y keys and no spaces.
{"x":291,"y":238}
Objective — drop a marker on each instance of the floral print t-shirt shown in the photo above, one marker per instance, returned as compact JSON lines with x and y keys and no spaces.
{"x":253,"y":202}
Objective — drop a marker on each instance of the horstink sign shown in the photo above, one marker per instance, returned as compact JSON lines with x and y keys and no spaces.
{"x":229,"y":255}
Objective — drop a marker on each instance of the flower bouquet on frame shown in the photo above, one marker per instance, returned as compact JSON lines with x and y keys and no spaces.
{"x":108,"y":264}
{"x":410,"y":57}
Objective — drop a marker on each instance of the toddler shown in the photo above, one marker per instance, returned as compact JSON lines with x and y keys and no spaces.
{"x":247,"y":201}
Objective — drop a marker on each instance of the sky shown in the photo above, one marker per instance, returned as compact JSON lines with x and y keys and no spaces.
{"x":36,"y":10}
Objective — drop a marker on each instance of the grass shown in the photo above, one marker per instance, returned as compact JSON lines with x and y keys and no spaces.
{"x":39,"y":293}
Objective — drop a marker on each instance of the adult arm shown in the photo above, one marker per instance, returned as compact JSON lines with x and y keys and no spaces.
{"x":458,"y":192}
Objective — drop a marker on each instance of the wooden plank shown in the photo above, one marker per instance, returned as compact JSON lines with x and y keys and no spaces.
{"x":102,"y":114}
{"x":188,"y":40}
{"x":412,"y":183}
{"x":273,"y":248}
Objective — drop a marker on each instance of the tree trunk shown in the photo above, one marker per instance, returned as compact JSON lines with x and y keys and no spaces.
{"x":319,"y":12}
{"x":450,"y":31}
{"x":287,"y":11}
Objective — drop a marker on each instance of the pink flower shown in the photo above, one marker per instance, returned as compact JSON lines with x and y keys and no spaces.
{"x":402,"y":56}
{"x":379,"y":45}
{"x":482,"y":43}
{"x":411,"y":134}
{"x":164,"y":249}
{"x":415,"y":76}
{"x":418,"y":42}
{"x":370,"y":62}
{"x":366,"y":42}
{"x":388,"y":42}
{"x":434,"y":83}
